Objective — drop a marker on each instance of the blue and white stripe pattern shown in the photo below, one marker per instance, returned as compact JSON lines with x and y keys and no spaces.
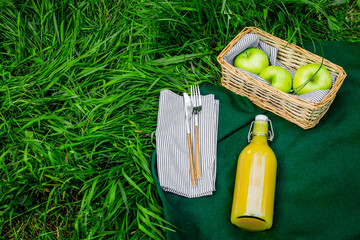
{"x":173,"y":165}
{"x":253,"y":41}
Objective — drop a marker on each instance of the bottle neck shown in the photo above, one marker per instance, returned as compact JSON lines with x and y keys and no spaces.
{"x":260,"y":132}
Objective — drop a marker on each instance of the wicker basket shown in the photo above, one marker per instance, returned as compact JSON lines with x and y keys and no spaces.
{"x":304,"y":113}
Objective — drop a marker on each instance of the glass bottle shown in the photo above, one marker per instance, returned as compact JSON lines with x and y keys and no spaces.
{"x":254,"y":192}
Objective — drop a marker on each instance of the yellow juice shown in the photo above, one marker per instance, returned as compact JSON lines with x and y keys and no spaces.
{"x":254,"y":192}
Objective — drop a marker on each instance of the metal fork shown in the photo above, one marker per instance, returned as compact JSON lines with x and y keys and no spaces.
{"x":196,"y":101}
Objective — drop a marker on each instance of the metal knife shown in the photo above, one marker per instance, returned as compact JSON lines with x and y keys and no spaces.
{"x":188,"y":113}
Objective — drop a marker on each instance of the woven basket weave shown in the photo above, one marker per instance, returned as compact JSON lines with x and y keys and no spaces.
{"x":304,"y":113}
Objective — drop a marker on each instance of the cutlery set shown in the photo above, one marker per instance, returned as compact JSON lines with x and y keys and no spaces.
{"x":193,"y":107}
{"x":186,"y":142}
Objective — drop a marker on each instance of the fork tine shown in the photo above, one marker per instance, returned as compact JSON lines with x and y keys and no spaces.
{"x":195,"y":96}
{"x":192,"y":94}
{"x":199,"y":95}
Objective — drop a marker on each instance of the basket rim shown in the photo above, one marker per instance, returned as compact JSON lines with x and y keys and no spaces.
{"x":308,"y":103}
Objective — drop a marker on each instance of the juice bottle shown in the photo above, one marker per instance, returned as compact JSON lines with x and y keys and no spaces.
{"x":254,"y":191}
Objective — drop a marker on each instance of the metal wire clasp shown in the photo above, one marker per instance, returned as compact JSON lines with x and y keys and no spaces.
{"x":270,"y":134}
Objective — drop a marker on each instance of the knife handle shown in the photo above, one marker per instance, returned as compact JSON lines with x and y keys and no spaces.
{"x":197,"y":153}
{"x":192,"y":168}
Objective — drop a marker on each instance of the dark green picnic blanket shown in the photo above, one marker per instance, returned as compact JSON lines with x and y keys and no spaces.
{"x":318,"y":176}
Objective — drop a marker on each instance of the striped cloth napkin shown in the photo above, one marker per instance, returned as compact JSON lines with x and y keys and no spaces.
{"x":251,"y":40}
{"x":173,"y":165}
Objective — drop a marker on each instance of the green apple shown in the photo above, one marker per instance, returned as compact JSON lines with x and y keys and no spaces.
{"x":277,"y":77}
{"x":305,"y":81}
{"x":252,"y":60}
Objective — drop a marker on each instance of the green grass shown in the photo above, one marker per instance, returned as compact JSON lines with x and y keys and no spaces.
{"x":79,"y":87}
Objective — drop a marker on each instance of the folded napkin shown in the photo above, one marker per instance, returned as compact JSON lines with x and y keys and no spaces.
{"x":173,"y":164}
{"x":251,"y":40}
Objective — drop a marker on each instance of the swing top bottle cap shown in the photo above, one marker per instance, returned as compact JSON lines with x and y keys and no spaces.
{"x":261,"y":118}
